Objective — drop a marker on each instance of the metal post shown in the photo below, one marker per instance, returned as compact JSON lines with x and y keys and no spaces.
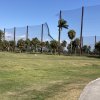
{"x":41,"y":37}
{"x":27,"y":33}
{"x":82,"y":41}
{"x":14,"y":37}
{"x":81,"y":34}
{"x":95,"y":39}
{"x":4,"y":35}
{"x":59,"y":33}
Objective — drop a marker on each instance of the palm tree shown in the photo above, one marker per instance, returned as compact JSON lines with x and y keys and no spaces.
{"x":76,"y":44}
{"x":5,"y":45}
{"x":12,"y":45}
{"x":35,"y":42}
{"x":21,"y":44}
{"x":97,"y":47}
{"x":42,"y":44}
{"x":63,"y":44}
{"x":1,"y":37}
{"x":71,"y":35}
{"x":86,"y":49}
{"x":47,"y":45}
{"x":61,"y":24}
{"x":27,"y":44}
{"x":54,"y":45}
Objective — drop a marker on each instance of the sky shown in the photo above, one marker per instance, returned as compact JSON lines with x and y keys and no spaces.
{"x":19,"y":13}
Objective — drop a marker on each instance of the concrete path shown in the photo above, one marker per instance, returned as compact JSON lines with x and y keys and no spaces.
{"x":91,"y":91}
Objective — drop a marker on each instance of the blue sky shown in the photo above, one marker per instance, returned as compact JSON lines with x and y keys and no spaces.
{"x":33,"y":12}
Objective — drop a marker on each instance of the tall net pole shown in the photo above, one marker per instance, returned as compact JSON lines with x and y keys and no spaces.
{"x":59,"y":32}
{"x":81,"y":34}
{"x":41,"y":38}
{"x":27,"y":33}
{"x":14,"y":37}
{"x":4,"y":34}
{"x":95,"y":40}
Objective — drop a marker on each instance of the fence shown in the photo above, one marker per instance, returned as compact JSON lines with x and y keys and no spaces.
{"x":90,"y":41}
{"x":85,"y":21}
{"x":38,"y":31}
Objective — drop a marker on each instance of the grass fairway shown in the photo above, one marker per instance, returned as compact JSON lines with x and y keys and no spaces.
{"x":45,"y":77}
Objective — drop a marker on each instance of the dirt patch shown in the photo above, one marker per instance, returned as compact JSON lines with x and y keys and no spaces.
{"x":70,"y":92}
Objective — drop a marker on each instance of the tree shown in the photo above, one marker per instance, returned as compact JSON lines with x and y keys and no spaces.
{"x":5,"y":45}
{"x":76,"y":44}
{"x":1,"y":38}
{"x":86,"y":49}
{"x":21,"y":45}
{"x":61,"y":24}
{"x":47,"y":45}
{"x":97,"y":47}
{"x":35,"y":42}
{"x":1,"y":35}
{"x":71,"y":47}
{"x":63,"y":44}
{"x":54,"y":45}
{"x":42,"y":44}
{"x":12,"y":45}
{"x":71,"y":35}
{"x":27,"y":44}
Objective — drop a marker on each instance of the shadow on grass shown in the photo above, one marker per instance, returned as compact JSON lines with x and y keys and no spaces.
{"x":93,"y":56}
{"x":41,"y":94}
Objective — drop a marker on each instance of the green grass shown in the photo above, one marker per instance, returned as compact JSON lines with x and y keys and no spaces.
{"x":45,"y":77}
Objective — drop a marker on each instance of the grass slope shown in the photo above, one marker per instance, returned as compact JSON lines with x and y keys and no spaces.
{"x":45,"y":77}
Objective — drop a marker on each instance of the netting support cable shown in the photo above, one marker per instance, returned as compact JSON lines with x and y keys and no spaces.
{"x":49,"y":32}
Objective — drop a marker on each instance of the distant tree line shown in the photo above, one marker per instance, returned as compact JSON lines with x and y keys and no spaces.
{"x":51,"y":47}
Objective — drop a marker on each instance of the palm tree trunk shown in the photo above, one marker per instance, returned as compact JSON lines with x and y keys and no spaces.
{"x":35,"y":47}
{"x":71,"y":46}
{"x":41,"y":49}
{"x":55,"y":51}
{"x":75,"y":50}
{"x":59,"y":34}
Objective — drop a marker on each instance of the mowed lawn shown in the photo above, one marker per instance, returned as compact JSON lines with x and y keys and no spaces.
{"x":45,"y":77}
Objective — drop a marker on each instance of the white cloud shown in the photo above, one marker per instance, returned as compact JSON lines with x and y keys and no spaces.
{"x":9,"y":36}
{"x":21,"y":37}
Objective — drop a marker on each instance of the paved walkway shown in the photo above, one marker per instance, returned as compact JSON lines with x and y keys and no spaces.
{"x":91,"y":91}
